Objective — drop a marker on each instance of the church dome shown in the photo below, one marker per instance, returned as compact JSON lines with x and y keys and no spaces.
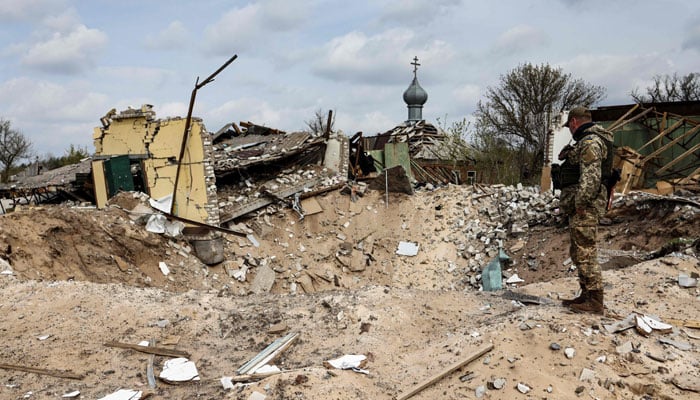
{"x":415,"y":94}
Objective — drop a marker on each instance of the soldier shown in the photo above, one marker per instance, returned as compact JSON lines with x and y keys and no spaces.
{"x":584,"y":199}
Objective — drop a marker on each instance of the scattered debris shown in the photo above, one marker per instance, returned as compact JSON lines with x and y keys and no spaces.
{"x":269,"y":354}
{"x":353,"y":362}
{"x":407,"y":249}
{"x":179,"y":370}
{"x":483,"y":350}
{"x":40,"y":371}
{"x":686,"y":281}
{"x":123,"y":394}
{"x":160,"y":351}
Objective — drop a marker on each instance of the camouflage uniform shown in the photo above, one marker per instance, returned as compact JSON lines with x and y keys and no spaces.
{"x":589,"y":196}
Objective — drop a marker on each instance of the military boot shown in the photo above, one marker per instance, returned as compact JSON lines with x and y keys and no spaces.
{"x":578,"y":300}
{"x":594,"y":303}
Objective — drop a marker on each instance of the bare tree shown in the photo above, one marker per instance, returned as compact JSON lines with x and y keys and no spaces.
{"x":518,"y":112}
{"x":670,"y":88}
{"x":317,"y":125}
{"x":14,"y":146}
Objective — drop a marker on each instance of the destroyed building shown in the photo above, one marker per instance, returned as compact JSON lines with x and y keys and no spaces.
{"x":657,"y":145}
{"x":424,"y":151}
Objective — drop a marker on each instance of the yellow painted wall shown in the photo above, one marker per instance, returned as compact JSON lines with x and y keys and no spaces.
{"x":162,"y":140}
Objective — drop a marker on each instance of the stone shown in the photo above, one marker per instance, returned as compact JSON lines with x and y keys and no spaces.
{"x":499,"y":383}
{"x":523,"y":388}
{"x":555,"y":346}
{"x":624,"y":348}
{"x":264,"y":279}
{"x":480,"y":391}
{"x":587,"y":375}
{"x":570,"y":352}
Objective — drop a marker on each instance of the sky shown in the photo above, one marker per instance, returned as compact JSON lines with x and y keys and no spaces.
{"x":64,"y":64}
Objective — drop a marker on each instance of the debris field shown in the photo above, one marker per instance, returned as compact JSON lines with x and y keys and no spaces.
{"x":83,"y":287}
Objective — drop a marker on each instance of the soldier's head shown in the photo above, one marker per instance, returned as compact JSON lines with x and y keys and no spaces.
{"x":577,"y":117}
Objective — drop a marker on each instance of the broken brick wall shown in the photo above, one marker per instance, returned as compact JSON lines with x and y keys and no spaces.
{"x":156,"y":144}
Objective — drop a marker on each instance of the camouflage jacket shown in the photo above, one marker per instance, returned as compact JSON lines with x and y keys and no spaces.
{"x":588,"y":152}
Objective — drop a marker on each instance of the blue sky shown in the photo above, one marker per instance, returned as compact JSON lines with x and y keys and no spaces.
{"x":64,"y":64}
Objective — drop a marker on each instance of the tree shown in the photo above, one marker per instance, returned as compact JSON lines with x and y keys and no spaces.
{"x":14,"y":146}
{"x":72,"y":155}
{"x":518,"y":112}
{"x":317,"y":124}
{"x":670,"y":88}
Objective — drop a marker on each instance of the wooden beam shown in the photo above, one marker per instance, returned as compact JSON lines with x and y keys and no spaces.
{"x":40,"y":371}
{"x":636,"y":117}
{"x":446,"y":372}
{"x":662,"y":134}
{"x":669,"y":144}
{"x":160,"y":351}
{"x":622,"y":118}
{"x":680,"y":158}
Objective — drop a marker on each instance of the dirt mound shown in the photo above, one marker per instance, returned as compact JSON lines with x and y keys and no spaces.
{"x":84,"y":277}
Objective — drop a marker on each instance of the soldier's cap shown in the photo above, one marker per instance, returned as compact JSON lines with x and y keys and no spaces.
{"x":577,"y":112}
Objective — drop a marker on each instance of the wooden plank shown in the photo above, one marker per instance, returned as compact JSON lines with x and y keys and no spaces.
{"x":669,"y":144}
{"x":161,"y":351}
{"x":662,"y":134}
{"x":688,"y":323}
{"x":40,"y":371}
{"x":446,"y":372}
{"x":636,"y":117}
{"x":622,"y":118}
{"x":693,"y":150}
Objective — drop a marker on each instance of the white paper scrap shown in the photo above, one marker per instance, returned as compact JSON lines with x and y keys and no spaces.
{"x":123,"y":394}
{"x":226,"y":382}
{"x":179,"y":370}
{"x":407,"y":249}
{"x":156,"y":223}
{"x":163,"y":268}
{"x":74,"y":393}
{"x":514,"y":279}
{"x":267,"y":368}
{"x":348,"y":361}
{"x":43,"y":337}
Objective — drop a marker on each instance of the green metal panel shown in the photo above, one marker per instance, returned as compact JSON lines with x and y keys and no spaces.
{"x":378,"y":156}
{"x":397,"y":154}
{"x":118,"y":174}
{"x":635,"y":135}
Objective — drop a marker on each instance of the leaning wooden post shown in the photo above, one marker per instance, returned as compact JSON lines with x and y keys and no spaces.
{"x":446,"y":372}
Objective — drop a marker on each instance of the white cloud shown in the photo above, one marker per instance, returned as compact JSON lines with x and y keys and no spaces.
{"x":520,"y":38}
{"x":253,"y":109}
{"x":52,"y":116}
{"x":467,"y":95}
{"x":173,"y":37}
{"x":250,"y":27}
{"x":66,"y":53}
{"x":416,"y":12}
{"x":13,"y":10}
{"x":28,"y":98}
{"x":619,"y":74}
{"x":369,"y":123}
{"x":691,"y":39}
{"x":377,"y":59}
{"x":173,"y":109}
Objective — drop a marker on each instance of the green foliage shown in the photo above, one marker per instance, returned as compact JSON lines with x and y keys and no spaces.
{"x":456,"y":146}
{"x":513,"y":121}
{"x":670,"y":88}
{"x":72,"y":155}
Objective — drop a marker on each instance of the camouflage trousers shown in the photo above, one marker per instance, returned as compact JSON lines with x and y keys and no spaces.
{"x":583,"y":230}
